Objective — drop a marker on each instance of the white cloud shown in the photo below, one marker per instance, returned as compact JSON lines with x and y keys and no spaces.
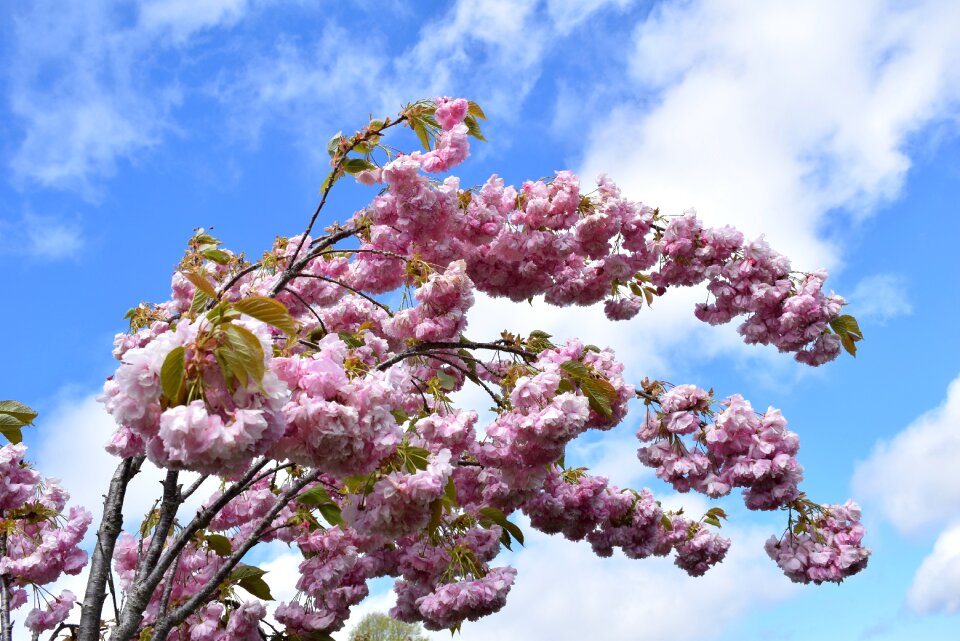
{"x":183,"y":18}
{"x":912,"y":477}
{"x":769,"y":115}
{"x":81,"y":87}
{"x":567,"y":14}
{"x":43,"y":237}
{"x":490,"y":50}
{"x":936,"y":585}
{"x":881,"y":297}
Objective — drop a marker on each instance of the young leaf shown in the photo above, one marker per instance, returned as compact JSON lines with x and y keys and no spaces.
{"x":269,"y":311}
{"x":474,"y":110}
{"x":19,"y":411}
{"x":600,"y":394}
{"x":242,"y":353}
{"x":576,"y":369}
{"x":219,"y":544}
{"x":422,"y":134}
{"x":200,"y":282}
{"x":447,"y":382}
{"x":316,"y":495}
{"x":250,"y":578}
{"x":172,"y":375}
{"x":10,"y":428}
{"x":473,"y":128}
{"x":352,"y":340}
{"x":333,"y":146}
{"x":356,"y":165}
{"x":216,"y":255}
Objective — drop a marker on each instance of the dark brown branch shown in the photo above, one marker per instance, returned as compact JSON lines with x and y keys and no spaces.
{"x":100,"y":572}
{"x":236,"y":277}
{"x":308,"y":306}
{"x":426,"y":349}
{"x":177,"y":616}
{"x":143,"y":587}
{"x":474,"y":379}
{"x":6,"y":629}
{"x":347,"y":287}
{"x":193,"y":487}
{"x":294,"y":268}
{"x":332,"y":179}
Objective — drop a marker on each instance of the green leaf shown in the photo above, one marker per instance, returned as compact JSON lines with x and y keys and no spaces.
{"x":206,"y":239}
{"x":352,"y":340}
{"x":199,"y":301}
{"x":447,"y":382}
{"x":316,"y":495}
{"x":19,"y":411}
{"x":849,"y":343}
{"x":328,"y":182}
{"x":333,"y":145}
{"x":356,"y":165}
{"x":216,"y":255}
{"x":269,"y":311}
{"x":846,"y":324}
{"x":331,"y":513}
{"x":172,"y":375}
{"x":10,"y":428}
{"x":242,"y":353}
{"x":414,"y":458}
{"x":250,"y":578}
{"x":500,"y":519}
{"x":399,"y":416}
{"x":473,"y":128}
{"x":601,"y":395}
{"x":436,"y":513}
{"x":576,"y":369}
{"x":450,"y":492}
{"x":219,"y":544}
{"x":474,"y":110}
{"x":666,"y":523}
{"x":422,"y":134}
{"x":712,"y":520}
{"x":200,"y":282}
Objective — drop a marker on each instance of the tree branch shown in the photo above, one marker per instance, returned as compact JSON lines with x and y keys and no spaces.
{"x":100,"y":571}
{"x":424,"y":349}
{"x":138,"y":596}
{"x":177,"y":616}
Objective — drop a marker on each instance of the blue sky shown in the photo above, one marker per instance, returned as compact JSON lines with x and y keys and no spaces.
{"x":830,"y":127}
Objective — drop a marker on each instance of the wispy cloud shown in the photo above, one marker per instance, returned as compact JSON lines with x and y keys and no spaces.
{"x":42,"y":237}
{"x":83,"y":87}
{"x":881,"y":297}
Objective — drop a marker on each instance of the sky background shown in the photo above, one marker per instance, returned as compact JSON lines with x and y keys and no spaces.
{"x":830,"y":127}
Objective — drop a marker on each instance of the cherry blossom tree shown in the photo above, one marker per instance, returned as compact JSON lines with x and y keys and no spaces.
{"x":314,"y":392}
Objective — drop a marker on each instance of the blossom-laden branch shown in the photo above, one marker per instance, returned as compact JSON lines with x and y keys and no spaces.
{"x":329,"y":410}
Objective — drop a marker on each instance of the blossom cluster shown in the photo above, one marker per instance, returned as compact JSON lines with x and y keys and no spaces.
{"x":41,"y":539}
{"x":581,"y":506}
{"x":734,"y":447}
{"x":297,"y":365}
{"x":826,"y":547}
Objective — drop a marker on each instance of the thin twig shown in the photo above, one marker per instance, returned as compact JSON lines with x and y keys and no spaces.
{"x":347,"y":287}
